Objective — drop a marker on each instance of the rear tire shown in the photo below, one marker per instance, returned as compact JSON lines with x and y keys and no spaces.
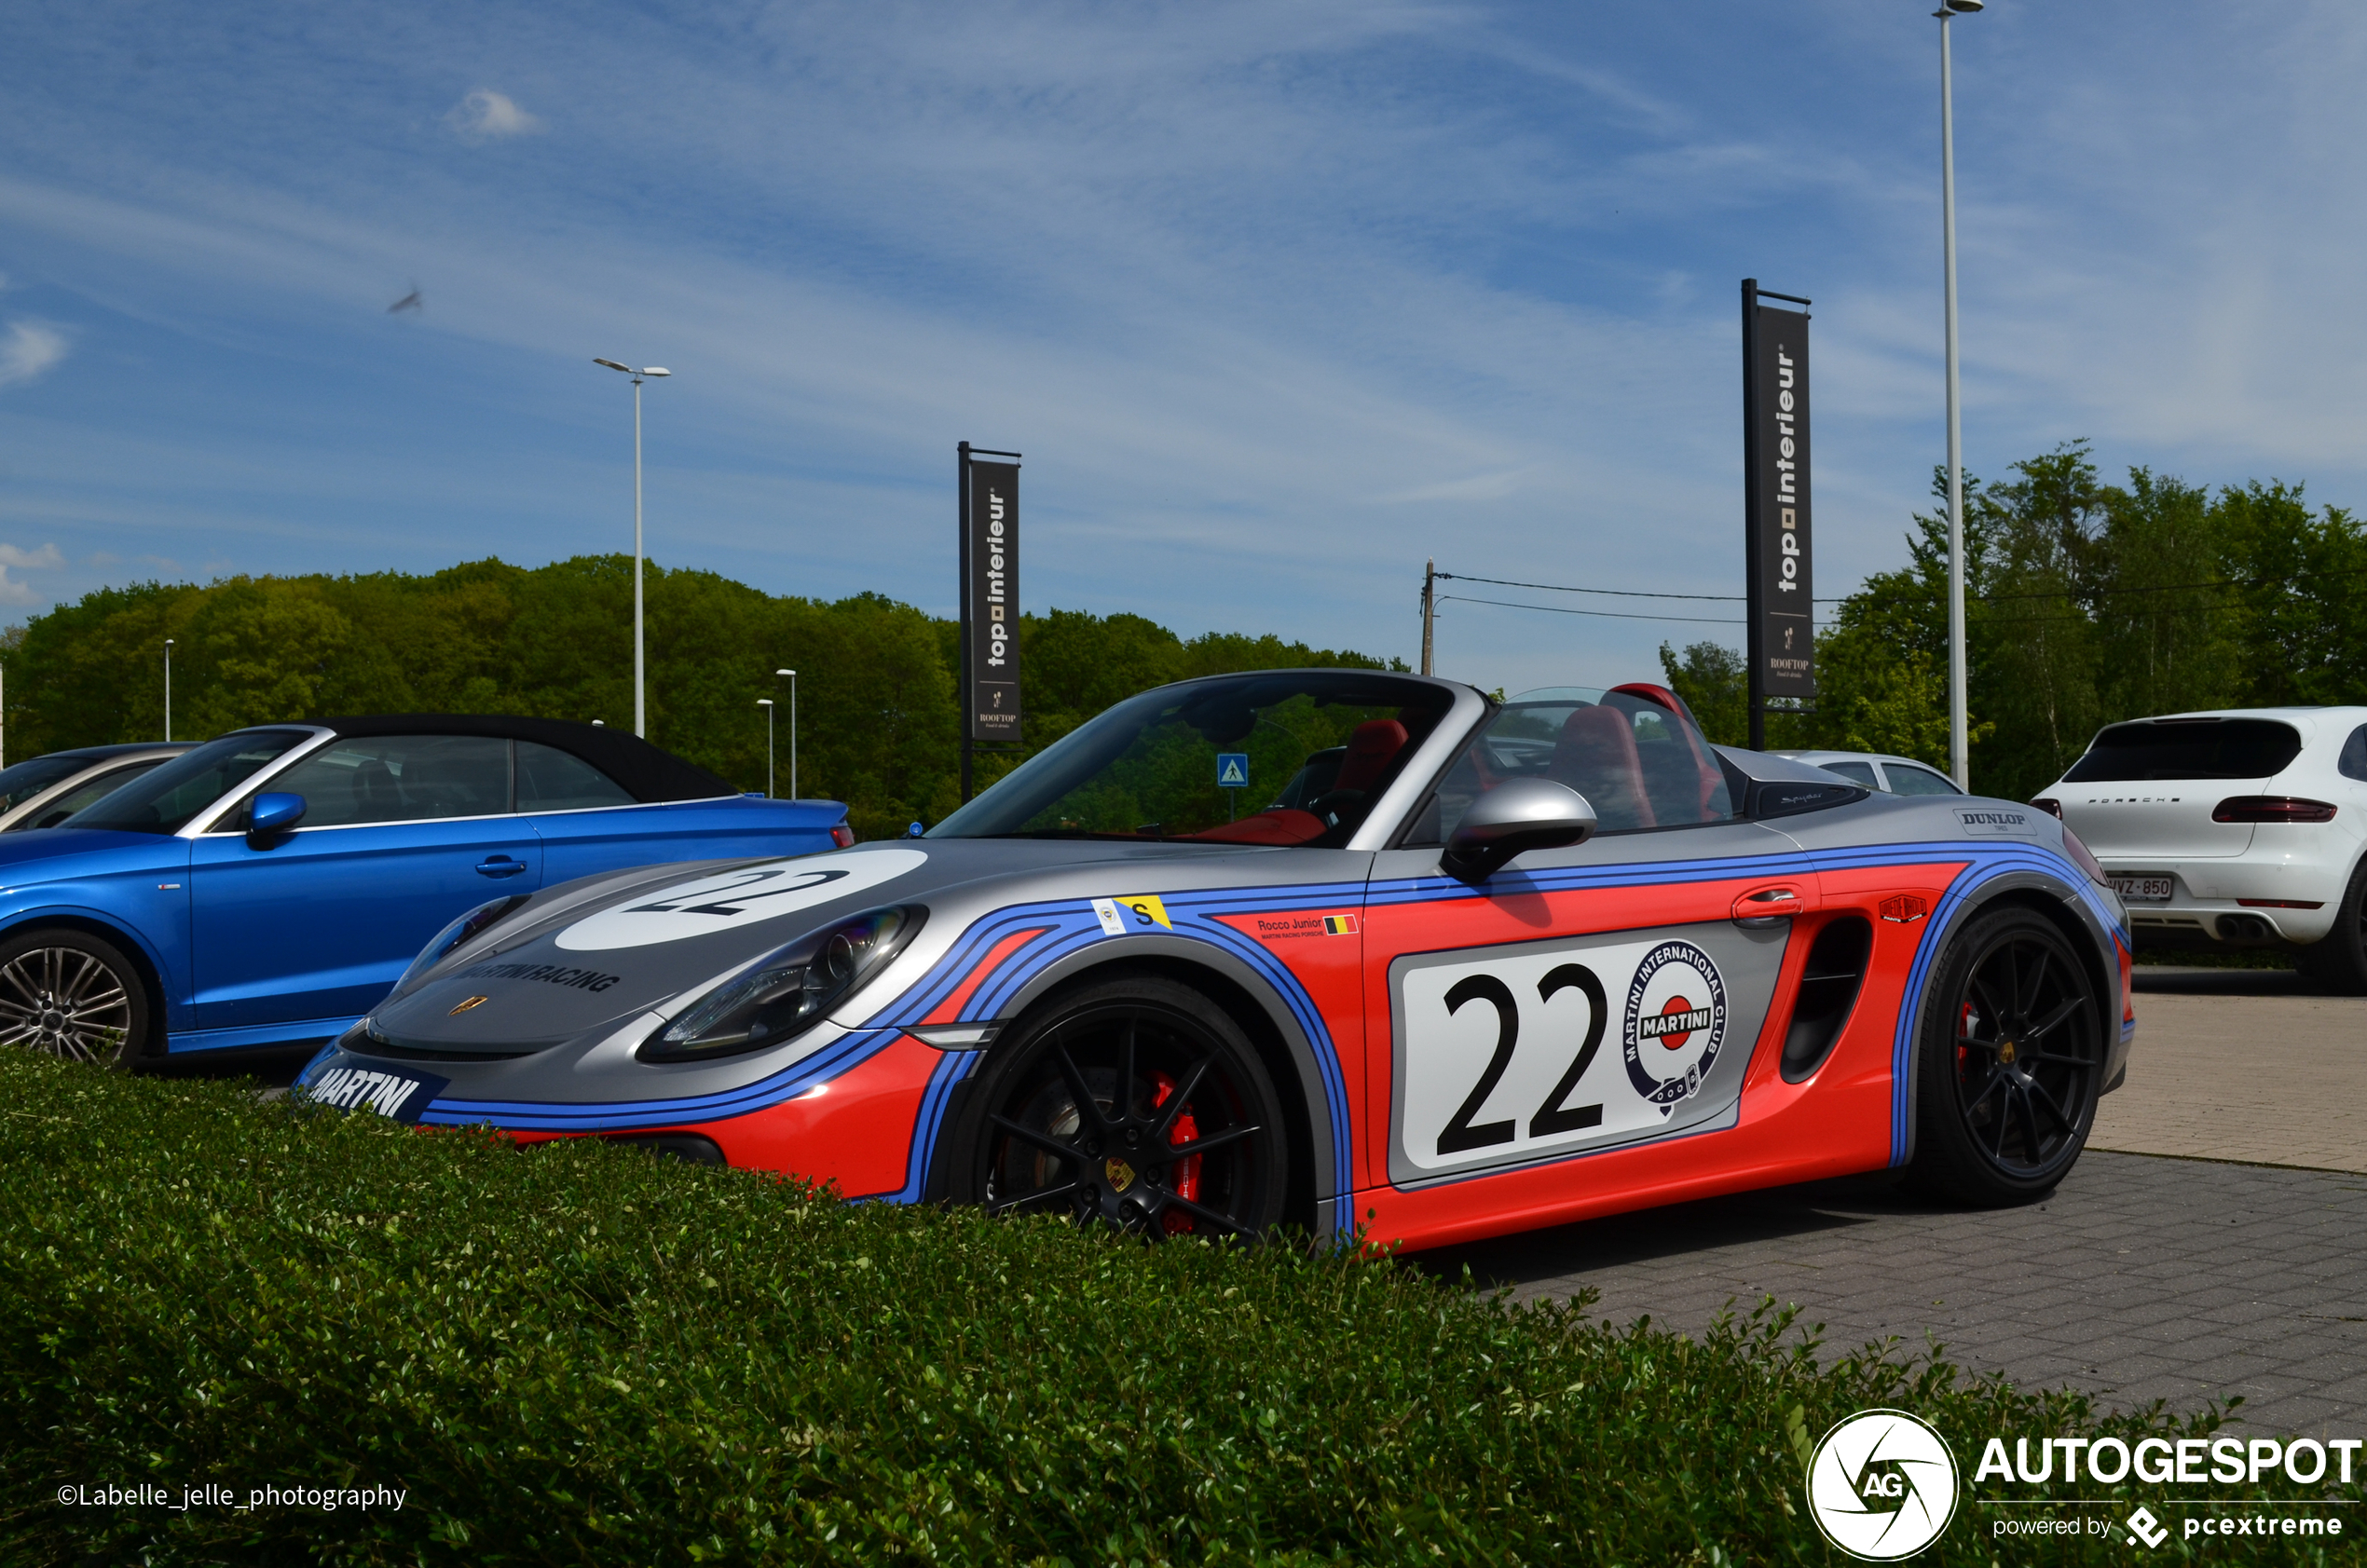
{"x":1092,"y":1109}
{"x":2010,"y":1058}
{"x":2338,"y":960}
{"x":72,"y":996}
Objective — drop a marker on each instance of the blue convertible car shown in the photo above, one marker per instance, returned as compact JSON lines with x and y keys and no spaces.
{"x":268,"y":888}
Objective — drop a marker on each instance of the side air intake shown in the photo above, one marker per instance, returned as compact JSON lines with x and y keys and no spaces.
{"x":1827,"y":991}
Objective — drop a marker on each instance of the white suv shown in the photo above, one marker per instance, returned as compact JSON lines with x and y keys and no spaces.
{"x":2241,"y":828}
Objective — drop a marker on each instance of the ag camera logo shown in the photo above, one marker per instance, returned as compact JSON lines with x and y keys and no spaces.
{"x":1882,"y":1485}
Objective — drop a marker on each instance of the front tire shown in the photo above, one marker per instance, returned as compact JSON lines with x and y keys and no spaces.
{"x":72,"y":996}
{"x":2338,"y":960}
{"x":2010,"y":1062}
{"x":1137,"y":1104}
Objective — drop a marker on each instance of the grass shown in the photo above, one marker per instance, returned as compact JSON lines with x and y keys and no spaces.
{"x":581,"y":1354}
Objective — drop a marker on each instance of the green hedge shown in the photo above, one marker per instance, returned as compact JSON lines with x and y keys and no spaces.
{"x":582,"y":1354}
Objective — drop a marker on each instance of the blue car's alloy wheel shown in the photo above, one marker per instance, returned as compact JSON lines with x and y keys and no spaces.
{"x":1136,"y":1104}
{"x":72,"y":996}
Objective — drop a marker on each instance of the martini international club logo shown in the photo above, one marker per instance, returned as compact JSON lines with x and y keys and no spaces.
{"x":1676,"y":1023}
{"x":1882,"y":1485}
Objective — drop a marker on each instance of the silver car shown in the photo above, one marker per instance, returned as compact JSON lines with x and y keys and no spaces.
{"x":49,"y":789}
{"x":1879,"y":770}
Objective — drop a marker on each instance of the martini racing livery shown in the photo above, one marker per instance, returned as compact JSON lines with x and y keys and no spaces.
{"x":1478,"y":966}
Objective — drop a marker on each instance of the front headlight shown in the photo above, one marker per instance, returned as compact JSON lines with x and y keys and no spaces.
{"x":788,"y":992}
{"x":474,"y":923}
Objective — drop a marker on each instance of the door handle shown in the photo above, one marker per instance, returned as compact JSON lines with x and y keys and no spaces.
{"x":1765,"y":906}
{"x":500,"y":865}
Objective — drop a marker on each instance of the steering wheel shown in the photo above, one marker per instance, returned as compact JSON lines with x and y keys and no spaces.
{"x":1334,"y":804}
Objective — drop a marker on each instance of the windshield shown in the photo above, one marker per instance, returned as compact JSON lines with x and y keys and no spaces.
{"x":21,"y":783}
{"x":1293,"y":756}
{"x":166,"y":800}
{"x":2187,"y":748}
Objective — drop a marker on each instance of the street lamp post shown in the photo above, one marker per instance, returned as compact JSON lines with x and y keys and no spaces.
{"x":168,"y":692}
{"x":792,"y":675}
{"x":640,"y":710}
{"x":766,"y":704}
{"x":1959,"y":759}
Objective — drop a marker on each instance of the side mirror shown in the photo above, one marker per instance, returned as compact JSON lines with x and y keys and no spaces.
{"x":1517,"y":816}
{"x":271,"y":817}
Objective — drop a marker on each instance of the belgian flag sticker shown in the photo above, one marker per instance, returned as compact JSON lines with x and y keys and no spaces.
{"x":1339,"y":925}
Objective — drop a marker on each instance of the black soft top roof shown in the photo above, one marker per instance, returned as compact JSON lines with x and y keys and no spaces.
{"x":646,"y":772}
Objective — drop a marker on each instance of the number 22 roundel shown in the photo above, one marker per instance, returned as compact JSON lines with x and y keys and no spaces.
{"x":1538,"y":1050}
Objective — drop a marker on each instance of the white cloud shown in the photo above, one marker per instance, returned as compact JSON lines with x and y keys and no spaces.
{"x":486,"y":113}
{"x":46,"y":558}
{"x":29,"y":348}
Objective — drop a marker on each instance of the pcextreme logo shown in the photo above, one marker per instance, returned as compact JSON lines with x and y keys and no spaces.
{"x":1882,"y":1485}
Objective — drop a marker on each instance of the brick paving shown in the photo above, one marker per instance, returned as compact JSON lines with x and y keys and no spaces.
{"x":2141,"y":1278}
{"x":2242,"y":1065}
{"x":2145,"y":1275}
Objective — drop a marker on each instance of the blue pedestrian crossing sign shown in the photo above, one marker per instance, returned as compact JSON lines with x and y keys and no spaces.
{"x":1232,"y":769}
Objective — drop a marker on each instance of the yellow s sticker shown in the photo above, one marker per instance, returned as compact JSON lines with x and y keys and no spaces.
{"x":1132,"y":912}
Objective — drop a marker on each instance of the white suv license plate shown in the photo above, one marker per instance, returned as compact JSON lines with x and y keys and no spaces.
{"x":2143,"y":890}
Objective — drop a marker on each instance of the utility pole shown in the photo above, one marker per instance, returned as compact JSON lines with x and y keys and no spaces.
{"x":792,"y":675}
{"x":766,"y":704}
{"x":167,"y":690}
{"x":1959,"y":757}
{"x":1429,"y":607}
{"x":640,"y":706}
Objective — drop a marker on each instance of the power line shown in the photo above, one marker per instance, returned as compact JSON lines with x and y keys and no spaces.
{"x":2073,"y":595}
{"x":2252,"y":584}
{"x":1608,"y":615}
{"x":1614,"y":593}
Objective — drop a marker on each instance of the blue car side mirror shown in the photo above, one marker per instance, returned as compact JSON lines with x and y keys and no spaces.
{"x":272,"y":817}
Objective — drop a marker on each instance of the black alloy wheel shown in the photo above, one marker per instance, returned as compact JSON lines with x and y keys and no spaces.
{"x":72,"y":996}
{"x":2338,"y":960}
{"x":1137,"y":1104}
{"x":2012,"y":1061}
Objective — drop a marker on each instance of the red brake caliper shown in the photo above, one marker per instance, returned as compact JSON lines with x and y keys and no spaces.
{"x":1188,"y":1170}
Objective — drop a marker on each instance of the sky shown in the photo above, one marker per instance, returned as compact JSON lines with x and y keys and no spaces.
{"x":1279,"y":299}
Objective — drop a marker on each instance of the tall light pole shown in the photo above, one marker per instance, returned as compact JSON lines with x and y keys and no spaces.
{"x":792,"y":675}
{"x":640,"y":707}
{"x":766,"y":704}
{"x":167,"y":690}
{"x":1958,"y":759}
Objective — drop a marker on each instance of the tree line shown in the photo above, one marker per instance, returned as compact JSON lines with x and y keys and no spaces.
{"x":2086,"y":602}
{"x":878,"y":716}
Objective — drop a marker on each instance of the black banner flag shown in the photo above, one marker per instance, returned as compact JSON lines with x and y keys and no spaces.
{"x":990,"y":601}
{"x":1783,"y":624}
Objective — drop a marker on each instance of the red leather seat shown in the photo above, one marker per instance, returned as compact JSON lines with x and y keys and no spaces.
{"x":1370,"y":751}
{"x":1596,"y":755}
{"x":1694,"y":791}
